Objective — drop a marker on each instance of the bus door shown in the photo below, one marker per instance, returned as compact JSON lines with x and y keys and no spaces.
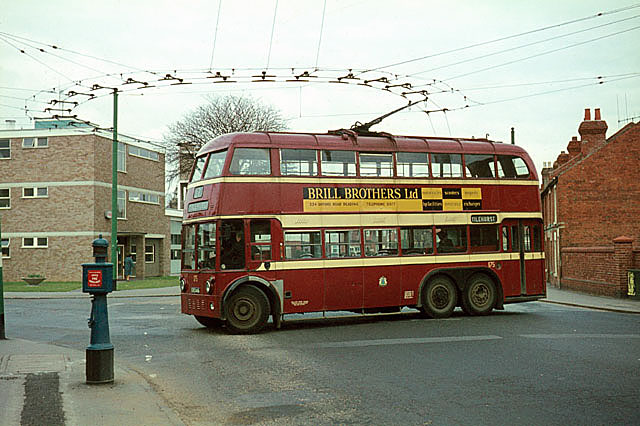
{"x":522,"y":273}
{"x":343,"y":270}
{"x":232,"y":245}
{"x":260,"y":249}
{"x":533,"y":256}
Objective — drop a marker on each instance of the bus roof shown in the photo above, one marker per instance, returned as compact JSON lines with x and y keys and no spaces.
{"x":349,"y":140}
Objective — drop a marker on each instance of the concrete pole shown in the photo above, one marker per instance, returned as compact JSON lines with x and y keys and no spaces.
{"x":114,"y":190}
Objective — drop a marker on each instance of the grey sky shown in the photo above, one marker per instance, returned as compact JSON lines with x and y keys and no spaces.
{"x":165,"y":36}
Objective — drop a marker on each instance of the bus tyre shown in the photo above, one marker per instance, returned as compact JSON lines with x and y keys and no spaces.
{"x":439,"y":297}
{"x":247,"y":310}
{"x":208,"y":321}
{"x":479,"y":297}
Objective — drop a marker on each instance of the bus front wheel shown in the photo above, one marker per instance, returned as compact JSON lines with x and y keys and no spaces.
{"x":439,"y":298}
{"x":479,"y":297}
{"x":247,"y":310}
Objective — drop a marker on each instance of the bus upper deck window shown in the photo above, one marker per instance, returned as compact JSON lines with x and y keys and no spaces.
{"x":250,"y":161}
{"x":215,"y":165}
{"x":413,"y":164}
{"x":338,"y":163}
{"x":197,"y":172}
{"x":298,"y":162}
{"x":446,"y":165}
{"x":512,"y":167}
{"x":376,"y":165}
{"x":480,"y":165}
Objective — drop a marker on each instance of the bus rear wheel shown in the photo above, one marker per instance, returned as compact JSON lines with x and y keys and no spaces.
{"x":479,"y":297}
{"x":247,"y":310}
{"x":208,"y":321}
{"x":439,"y":298}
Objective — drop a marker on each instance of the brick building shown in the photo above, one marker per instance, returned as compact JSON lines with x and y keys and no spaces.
{"x":55,"y":199}
{"x":591,"y":209}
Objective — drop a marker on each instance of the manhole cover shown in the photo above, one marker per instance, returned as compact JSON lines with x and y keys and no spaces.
{"x":35,"y":363}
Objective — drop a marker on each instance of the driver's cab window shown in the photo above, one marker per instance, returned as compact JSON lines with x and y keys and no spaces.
{"x":232,"y":253}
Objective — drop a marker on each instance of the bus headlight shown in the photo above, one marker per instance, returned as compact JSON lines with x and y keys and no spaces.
{"x":183,"y":285}
{"x":209,"y":285}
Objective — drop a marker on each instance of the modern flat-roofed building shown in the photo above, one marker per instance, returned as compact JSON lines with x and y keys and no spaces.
{"x":55,"y":199}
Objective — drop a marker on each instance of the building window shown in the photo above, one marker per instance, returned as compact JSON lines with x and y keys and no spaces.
{"x":302,"y":245}
{"x":413,"y":164}
{"x":4,"y":247}
{"x":144,"y":153}
{"x":32,"y":242}
{"x":175,"y":239}
{"x":342,"y":243}
{"x":122,"y":204}
{"x":149,"y":253}
{"x":122,"y":157}
{"x":380,"y":165}
{"x":250,"y":161}
{"x":175,"y":254}
{"x":133,"y":252}
{"x":5,"y":148}
{"x":338,"y":163}
{"x":144,"y":197}
{"x":40,"y":192}
{"x":298,"y":162}
{"x":5,"y":198}
{"x":35,"y":142}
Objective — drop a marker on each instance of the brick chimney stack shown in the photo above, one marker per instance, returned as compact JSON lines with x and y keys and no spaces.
{"x":592,"y":132}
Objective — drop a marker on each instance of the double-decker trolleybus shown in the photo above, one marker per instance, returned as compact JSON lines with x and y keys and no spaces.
{"x":283,"y":223}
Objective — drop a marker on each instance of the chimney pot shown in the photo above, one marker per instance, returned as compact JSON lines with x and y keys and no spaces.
{"x":587,"y":114}
{"x":597,"y":113}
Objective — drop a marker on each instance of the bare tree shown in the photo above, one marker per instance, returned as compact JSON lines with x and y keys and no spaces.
{"x":218,"y":116}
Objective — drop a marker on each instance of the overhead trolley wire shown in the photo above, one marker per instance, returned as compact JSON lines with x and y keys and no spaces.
{"x":548,"y":27}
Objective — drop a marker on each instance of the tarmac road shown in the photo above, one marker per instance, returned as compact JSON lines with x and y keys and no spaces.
{"x":534,"y":363}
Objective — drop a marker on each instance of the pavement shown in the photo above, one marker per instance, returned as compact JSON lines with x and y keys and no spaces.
{"x":42,"y":383}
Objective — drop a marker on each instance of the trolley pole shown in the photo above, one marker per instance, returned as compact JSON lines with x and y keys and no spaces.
{"x":2,"y":334}
{"x":114,"y":189}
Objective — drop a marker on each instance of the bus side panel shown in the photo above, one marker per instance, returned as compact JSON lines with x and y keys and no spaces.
{"x":382,"y":286}
{"x":535,"y":276}
{"x":303,"y":290}
{"x":510,"y":276}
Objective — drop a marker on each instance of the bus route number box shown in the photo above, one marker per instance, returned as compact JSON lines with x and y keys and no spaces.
{"x":97,"y":277}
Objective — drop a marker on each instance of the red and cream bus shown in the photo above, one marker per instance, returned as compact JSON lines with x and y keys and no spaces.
{"x":284,"y":223}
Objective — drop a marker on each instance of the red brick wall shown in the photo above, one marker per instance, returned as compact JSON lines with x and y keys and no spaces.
{"x":599,"y":197}
{"x":589,"y":269}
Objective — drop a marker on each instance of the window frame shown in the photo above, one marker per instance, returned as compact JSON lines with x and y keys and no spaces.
{"x":378,"y":164}
{"x":260,"y":246}
{"x":315,"y":165}
{"x":141,"y":153}
{"x":400,"y":166}
{"x":378,"y":242}
{"x":492,"y":166}
{"x":301,"y":244}
{"x":5,"y":148}
{"x":35,"y":189}
{"x":36,"y":243}
{"x":473,"y":233}
{"x":137,"y":194}
{"x":147,"y":253}
{"x":428,"y":251}
{"x":36,"y":142}
{"x":238,"y":172}
{"x":6,"y":248}
{"x":348,"y":244}
{"x":121,"y":162}
{"x":8,"y":198}
{"x":323,"y":171}
{"x":450,"y":175}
